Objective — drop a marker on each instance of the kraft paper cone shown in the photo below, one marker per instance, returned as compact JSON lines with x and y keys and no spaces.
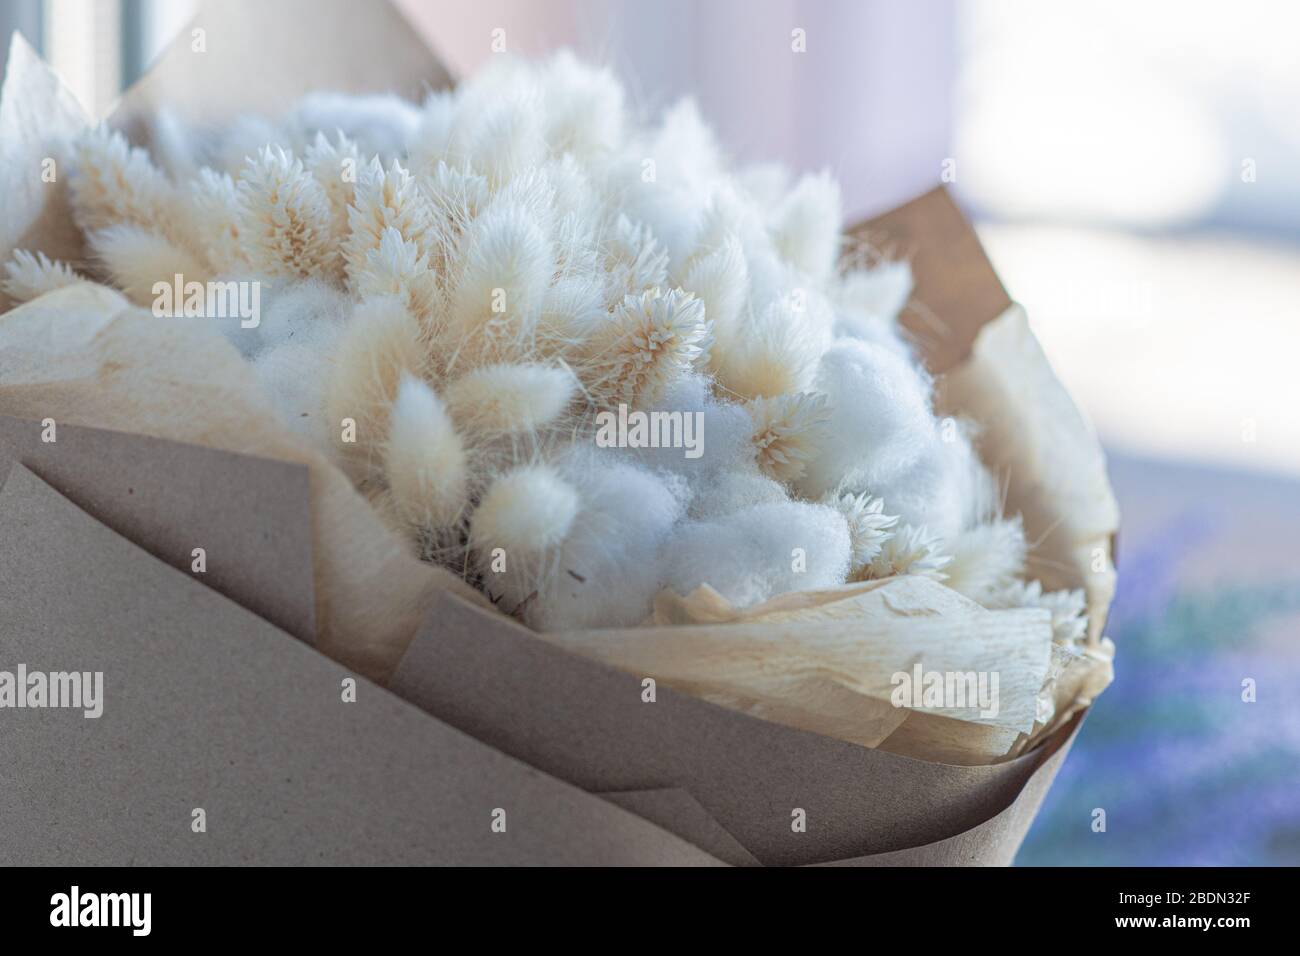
{"x":590,"y":724}
{"x":250,"y":516}
{"x":206,"y":707}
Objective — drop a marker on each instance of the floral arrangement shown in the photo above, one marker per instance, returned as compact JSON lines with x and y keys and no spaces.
{"x":467,"y":303}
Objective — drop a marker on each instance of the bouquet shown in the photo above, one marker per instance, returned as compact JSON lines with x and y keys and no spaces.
{"x":573,"y":391}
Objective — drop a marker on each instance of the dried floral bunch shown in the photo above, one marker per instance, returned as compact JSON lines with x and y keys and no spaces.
{"x":459,"y":301}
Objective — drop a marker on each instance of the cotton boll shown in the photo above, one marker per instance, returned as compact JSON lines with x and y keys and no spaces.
{"x":719,"y":431}
{"x":946,"y":488}
{"x":605,"y":570}
{"x":136,"y":258}
{"x":302,"y":312}
{"x":806,"y":226}
{"x":987,"y":559}
{"x":510,"y":399}
{"x":879,"y":424}
{"x":379,"y":122}
{"x":756,"y":553}
{"x":294,"y":374}
{"x":732,"y":491}
{"x":518,"y":528}
{"x":382,"y":344}
{"x":424,"y":461}
{"x":584,"y":107}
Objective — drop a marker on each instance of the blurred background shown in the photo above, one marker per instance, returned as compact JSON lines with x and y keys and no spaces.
{"x":1134,"y":172}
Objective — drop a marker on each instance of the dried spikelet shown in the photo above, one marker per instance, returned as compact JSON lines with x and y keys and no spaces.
{"x":911,"y":550}
{"x":284,"y":217}
{"x":987,"y":559}
{"x":574,"y":305}
{"x":424,"y":462}
{"x":385,"y":199}
{"x":634,"y":261}
{"x":504,"y":399}
{"x":114,"y":183}
{"x":214,"y":202}
{"x":806,"y":230}
{"x":719,"y":278}
{"x":382,"y":344}
{"x":649,"y":341}
{"x":584,"y":107}
{"x":773,"y":354}
{"x":518,"y":528}
{"x":499,"y":290}
{"x":31,"y":275}
{"x":335,"y":165}
{"x":397,"y":267}
{"x":504,"y":140}
{"x":136,"y":258}
{"x":1069,"y":608}
{"x":869,"y":527}
{"x":786,"y":431}
{"x":428,"y":146}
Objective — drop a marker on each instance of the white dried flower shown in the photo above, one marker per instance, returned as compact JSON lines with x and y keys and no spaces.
{"x":30,"y":276}
{"x":114,"y":183}
{"x":786,"y":431}
{"x":384,"y":199}
{"x":649,"y":341}
{"x":634,"y":261}
{"x":214,"y":202}
{"x":1069,"y":608}
{"x":424,"y":462}
{"x":987,"y":559}
{"x":335,"y":164}
{"x":910,"y":550}
{"x":504,"y":399}
{"x":284,"y":217}
{"x":869,"y":527}
{"x":398,"y":268}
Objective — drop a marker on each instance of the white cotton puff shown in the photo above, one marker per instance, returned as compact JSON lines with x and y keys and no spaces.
{"x":378,"y":122}
{"x":424,"y":461}
{"x":301,"y":312}
{"x":509,"y":399}
{"x":731,"y":491}
{"x":879,"y":420}
{"x":294,"y":374}
{"x":987,"y":559}
{"x":136,"y":258}
{"x":946,"y":488}
{"x":517,"y":530}
{"x":756,"y":553}
{"x":605,"y":571}
{"x":724,"y":436}
{"x":806,"y":226}
{"x":583,"y":105}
